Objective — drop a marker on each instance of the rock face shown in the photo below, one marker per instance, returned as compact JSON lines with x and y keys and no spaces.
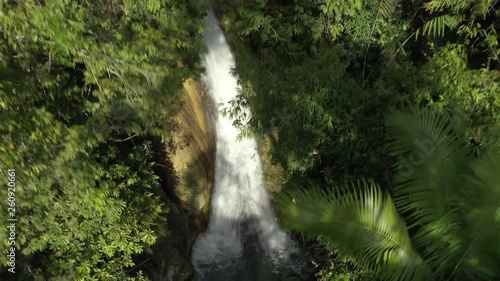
{"x":193,"y":151}
{"x":187,"y":184}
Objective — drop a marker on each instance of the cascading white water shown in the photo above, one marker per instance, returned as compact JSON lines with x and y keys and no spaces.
{"x":241,"y":211}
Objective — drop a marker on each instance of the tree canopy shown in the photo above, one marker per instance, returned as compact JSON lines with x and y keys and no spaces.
{"x":440,"y":222}
{"x":383,"y":114}
{"x":321,"y":78}
{"x":84,"y":85}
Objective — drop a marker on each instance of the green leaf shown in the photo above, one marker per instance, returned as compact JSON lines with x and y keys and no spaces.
{"x":436,"y":27}
{"x":362,"y":222}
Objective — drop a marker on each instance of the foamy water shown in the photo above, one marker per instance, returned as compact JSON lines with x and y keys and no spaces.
{"x":242,"y":231}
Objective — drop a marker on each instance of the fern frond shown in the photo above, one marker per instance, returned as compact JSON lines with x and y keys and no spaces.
{"x":482,"y":8}
{"x":435,"y":6}
{"x":386,"y":8}
{"x":362,"y":222}
{"x":255,"y":21}
{"x":437,"y":26}
{"x":478,"y":8}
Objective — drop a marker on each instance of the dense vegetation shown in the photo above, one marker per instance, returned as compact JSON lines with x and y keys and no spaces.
{"x":449,"y":200}
{"x":322,"y":77}
{"x":85,"y":87}
{"x":384,"y":115}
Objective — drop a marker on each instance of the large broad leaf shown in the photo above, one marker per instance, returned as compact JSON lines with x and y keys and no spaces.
{"x":362,"y":222}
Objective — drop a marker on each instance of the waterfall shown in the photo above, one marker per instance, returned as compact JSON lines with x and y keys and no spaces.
{"x":243,"y":240}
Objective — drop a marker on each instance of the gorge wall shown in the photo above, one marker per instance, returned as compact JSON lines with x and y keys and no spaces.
{"x":186,"y":171}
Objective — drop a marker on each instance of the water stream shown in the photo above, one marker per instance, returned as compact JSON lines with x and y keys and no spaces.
{"x":243,"y":240}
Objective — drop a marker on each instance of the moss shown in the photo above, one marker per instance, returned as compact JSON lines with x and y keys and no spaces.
{"x":273,"y":172}
{"x":191,"y":189}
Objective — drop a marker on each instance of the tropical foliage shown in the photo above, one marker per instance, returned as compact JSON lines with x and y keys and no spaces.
{"x":320,"y":78}
{"x":88,"y":89}
{"x":338,"y":88}
{"x":84,"y":86}
{"x":440,"y":222}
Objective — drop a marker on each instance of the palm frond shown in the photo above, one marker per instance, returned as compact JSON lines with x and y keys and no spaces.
{"x":386,"y":8}
{"x":437,"y":26}
{"x":362,"y":222}
{"x":479,"y":255}
{"x":477,"y":8}
{"x":431,"y":163}
{"x":482,"y":8}
{"x":430,"y":155}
